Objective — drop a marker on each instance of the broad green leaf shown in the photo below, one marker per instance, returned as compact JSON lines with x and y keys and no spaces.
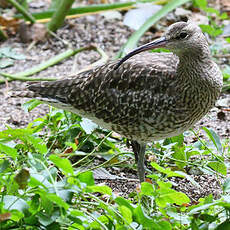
{"x":8,"y":150}
{"x":45,"y":219}
{"x":4,"y":165}
{"x":76,"y":212}
{"x":62,"y":163}
{"x":176,"y":139}
{"x":200,"y":3}
{"x":6,"y":62}
{"x":164,"y":225}
{"x":214,"y":138}
{"x":180,"y":155}
{"x":123,"y":202}
{"x":86,"y":9}
{"x":97,"y":224}
{"x":14,"y":202}
{"x":211,"y":30}
{"x":57,"y":200}
{"x":34,"y":204}
{"x":86,"y":177}
{"x":169,"y":196}
{"x":126,"y":214}
{"x":10,"y":53}
{"x":77,"y":226}
{"x":226,"y":185}
{"x":219,"y":167}
{"x":166,"y":171}
{"x":201,"y":208}
{"x":224,"y":226}
{"x":88,"y":125}
{"x":183,"y":218}
{"x":147,"y":189}
{"x":208,"y":218}
{"x":37,"y":144}
{"x":16,"y":215}
{"x":101,"y":189}
{"x":143,"y":219}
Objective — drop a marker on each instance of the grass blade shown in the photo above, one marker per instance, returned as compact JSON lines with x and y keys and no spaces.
{"x":131,"y":43}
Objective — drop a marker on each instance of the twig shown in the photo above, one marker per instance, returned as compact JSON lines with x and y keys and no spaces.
{"x":221,"y":55}
{"x":56,"y":59}
{"x":102,"y":60}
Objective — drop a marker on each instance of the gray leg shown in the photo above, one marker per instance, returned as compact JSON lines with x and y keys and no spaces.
{"x":139,"y":153}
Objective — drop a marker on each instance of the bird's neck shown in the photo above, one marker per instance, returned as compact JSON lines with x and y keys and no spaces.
{"x":198,"y":69}
{"x":200,"y":56}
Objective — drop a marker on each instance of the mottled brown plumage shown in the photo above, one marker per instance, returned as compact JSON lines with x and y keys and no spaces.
{"x":146,"y":97}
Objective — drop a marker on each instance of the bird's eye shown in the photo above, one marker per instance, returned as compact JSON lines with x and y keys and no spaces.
{"x":182,"y":35}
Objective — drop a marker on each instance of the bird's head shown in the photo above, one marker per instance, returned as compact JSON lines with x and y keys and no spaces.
{"x":180,"y":38}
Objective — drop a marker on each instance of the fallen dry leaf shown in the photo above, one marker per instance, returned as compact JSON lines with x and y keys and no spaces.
{"x":5,"y":216}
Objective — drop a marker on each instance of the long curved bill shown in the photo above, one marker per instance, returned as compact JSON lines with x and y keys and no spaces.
{"x":161,"y":42}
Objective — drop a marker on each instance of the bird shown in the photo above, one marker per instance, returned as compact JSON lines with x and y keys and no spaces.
{"x":144,"y":96}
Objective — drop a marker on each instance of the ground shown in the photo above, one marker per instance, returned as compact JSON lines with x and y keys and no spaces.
{"x":109,"y":35}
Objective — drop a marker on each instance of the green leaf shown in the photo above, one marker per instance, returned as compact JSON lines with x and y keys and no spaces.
{"x":86,"y":177}
{"x":214,"y":138}
{"x":123,"y":202}
{"x":100,"y":220}
{"x":101,"y":189}
{"x":10,"y":53}
{"x":200,"y":3}
{"x":224,"y":226}
{"x":211,"y":30}
{"x":201,"y":208}
{"x":126,"y":214}
{"x":147,"y":189}
{"x":219,"y":167}
{"x":180,"y":155}
{"x":62,"y":163}
{"x":208,"y":218}
{"x":14,"y":202}
{"x":166,"y":171}
{"x":164,"y":225}
{"x":57,"y":200}
{"x":226,"y":185}
{"x":76,"y":212}
{"x":16,"y":215}
{"x":169,"y":196}
{"x":4,"y":165}
{"x":8,"y":151}
{"x":6,"y":62}
{"x":143,"y":219}
{"x":88,"y":125}
{"x":30,"y":105}
{"x":37,"y":144}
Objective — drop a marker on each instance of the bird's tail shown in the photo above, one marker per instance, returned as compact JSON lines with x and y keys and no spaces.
{"x":49,"y":92}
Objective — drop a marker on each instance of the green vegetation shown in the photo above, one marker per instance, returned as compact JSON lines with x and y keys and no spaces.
{"x":45,"y":184}
{"x":46,"y":169}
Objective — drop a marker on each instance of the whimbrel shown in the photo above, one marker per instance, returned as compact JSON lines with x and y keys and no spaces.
{"x":144,"y":96}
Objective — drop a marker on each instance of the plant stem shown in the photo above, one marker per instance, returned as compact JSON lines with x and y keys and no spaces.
{"x":23,"y":11}
{"x":3,"y":35}
{"x":59,"y":15}
{"x":23,"y":76}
